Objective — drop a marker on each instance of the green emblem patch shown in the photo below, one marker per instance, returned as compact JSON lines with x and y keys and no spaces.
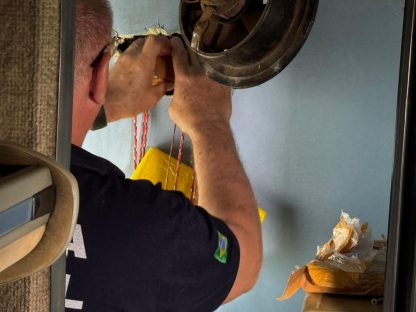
{"x":222,"y":249}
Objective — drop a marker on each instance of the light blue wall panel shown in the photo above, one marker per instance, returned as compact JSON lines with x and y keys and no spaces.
{"x":315,"y":140}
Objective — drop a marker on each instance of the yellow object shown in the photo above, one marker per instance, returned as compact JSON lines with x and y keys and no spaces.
{"x":154,"y":165}
{"x":262,"y":214}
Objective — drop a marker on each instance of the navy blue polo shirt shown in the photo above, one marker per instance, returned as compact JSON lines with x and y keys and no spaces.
{"x":137,"y":247}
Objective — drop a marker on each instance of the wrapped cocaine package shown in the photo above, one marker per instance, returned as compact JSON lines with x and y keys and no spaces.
{"x":350,"y":263}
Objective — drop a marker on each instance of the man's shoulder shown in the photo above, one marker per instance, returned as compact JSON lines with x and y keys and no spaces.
{"x":104,"y":187}
{"x":84,"y":162}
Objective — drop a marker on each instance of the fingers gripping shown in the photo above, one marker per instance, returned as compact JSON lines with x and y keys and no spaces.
{"x":179,"y":57}
{"x":136,"y":46}
{"x":157,"y":45}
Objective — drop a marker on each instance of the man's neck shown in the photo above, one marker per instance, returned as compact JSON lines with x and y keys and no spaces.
{"x":83,"y":116}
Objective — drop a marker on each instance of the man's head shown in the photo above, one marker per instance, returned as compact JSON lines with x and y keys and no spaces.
{"x":94,"y":20}
{"x":93,"y":33}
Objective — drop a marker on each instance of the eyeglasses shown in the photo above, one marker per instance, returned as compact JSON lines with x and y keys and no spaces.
{"x":111,"y":47}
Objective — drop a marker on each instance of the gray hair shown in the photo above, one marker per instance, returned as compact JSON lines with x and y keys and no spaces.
{"x":93,"y":24}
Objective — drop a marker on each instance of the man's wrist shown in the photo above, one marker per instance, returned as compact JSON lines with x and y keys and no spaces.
{"x":212,"y":133}
{"x":208,"y":128}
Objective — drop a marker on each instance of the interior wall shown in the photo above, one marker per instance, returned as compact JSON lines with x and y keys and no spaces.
{"x":315,"y":140}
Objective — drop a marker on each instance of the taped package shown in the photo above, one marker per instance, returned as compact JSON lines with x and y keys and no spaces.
{"x":158,"y":167}
{"x":334,"y":303}
{"x":350,"y":263}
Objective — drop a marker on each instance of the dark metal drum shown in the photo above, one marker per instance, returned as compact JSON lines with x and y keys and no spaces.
{"x":251,"y":47}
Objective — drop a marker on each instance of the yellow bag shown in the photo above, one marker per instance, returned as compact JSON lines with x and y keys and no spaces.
{"x":154,"y":166}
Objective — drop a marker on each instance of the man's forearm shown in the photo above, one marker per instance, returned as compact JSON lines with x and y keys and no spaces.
{"x":223,"y":187}
{"x":224,"y":191}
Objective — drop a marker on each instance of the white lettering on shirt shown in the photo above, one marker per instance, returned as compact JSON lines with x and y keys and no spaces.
{"x":77,"y":245}
{"x":71,"y":304}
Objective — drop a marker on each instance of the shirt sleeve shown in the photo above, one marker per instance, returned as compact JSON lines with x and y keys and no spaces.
{"x":149,"y":250}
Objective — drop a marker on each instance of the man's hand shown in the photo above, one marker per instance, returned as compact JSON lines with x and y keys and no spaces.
{"x":130,"y":90}
{"x":199,"y":103}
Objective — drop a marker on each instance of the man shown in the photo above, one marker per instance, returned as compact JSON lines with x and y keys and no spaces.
{"x":137,"y":247}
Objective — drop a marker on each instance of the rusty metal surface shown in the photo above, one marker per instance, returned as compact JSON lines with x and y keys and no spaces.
{"x":254,"y":46}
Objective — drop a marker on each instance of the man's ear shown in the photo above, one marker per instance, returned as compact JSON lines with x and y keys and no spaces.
{"x":99,"y":79}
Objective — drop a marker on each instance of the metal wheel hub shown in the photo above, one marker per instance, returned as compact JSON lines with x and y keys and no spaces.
{"x":253,"y":43}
